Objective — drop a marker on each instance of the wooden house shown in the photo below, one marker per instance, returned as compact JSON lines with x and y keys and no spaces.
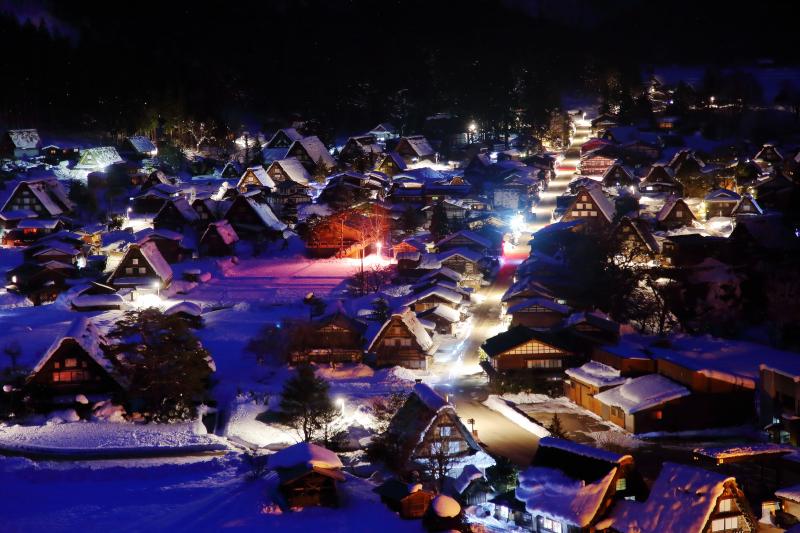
{"x":307,"y":476}
{"x":98,"y":158}
{"x":189,"y":312}
{"x":32,"y":230}
{"x":433,"y":295}
{"x":139,"y":146}
{"x":255,"y":177}
{"x":53,"y":250}
{"x":544,"y":353}
{"x":466,"y":239}
{"x":289,"y":169}
{"x":40,"y":282}
{"x":721,"y":203}
{"x":778,"y":192}
{"x":635,"y":239}
{"x":543,"y":313}
{"x":427,"y":425}
{"x":403,"y":341}
{"x":461,"y":260}
{"x":471,"y":487}
{"x":168,"y":243}
{"x":646,"y":403}
{"x":151,"y":200}
{"x":747,"y":205}
{"x":661,"y":179}
{"x":313,"y":155}
{"x":769,"y":154}
{"x":384,"y":132}
{"x":589,"y":379}
{"x":443,"y":319}
{"x":283,"y":138}
{"x":571,"y":487}
{"x":75,"y":363}
{"x":591,"y":206}
{"x":686,"y":499}
{"x":597,"y":162}
{"x":20,"y":144}
{"x":591,"y":326}
{"x":332,"y":338}
{"x":177,"y":215}
{"x":218,"y":240}
{"x":642,"y":150}
{"x":287,"y":197}
{"x":156,"y":177}
{"x":415,"y":148}
{"x":363,"y":148}
{"x":630,"y":359}
{"x":208,"y":210}
{"x":409,"y":500}
{"x":618,"y":175}
{"x":779,"y":401}
{"x":142,"y":266}
{"x":253,"y":219}
{"x":340,"y":235}
{"x":675,"y":213}
{"x":45,"y":197}
{"x":391,"y":164}
{"x":691,"y":249}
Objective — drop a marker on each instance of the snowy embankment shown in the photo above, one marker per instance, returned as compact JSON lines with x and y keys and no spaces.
{"x":508,"y":410}
{"x":108,"y":439}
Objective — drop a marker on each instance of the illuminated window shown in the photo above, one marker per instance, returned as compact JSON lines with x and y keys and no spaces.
{"x":68,"y":376}
{"x":726,"y":505}
{"x":135,"y":261}
{"x":445,"y":431}
{"x":70,"y":363}
{"x":658,"y":415}
{"x":454,"y":446}
{"x":622,"y":484}
{"x":129,"y":270}
{"x":679,"y":213}
{"x":142,"y":270}
{"x":551,"y":525}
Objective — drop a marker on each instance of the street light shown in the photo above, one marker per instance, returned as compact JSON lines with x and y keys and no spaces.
{"x":340,"y":403}
{"x":157,"y":287}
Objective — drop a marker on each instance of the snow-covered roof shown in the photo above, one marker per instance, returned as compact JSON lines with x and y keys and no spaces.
{"x":383,"y":127}
{"x":469,"y":474}
{"x":188,"y":308}
{"x":304,"y":454}
{"x":584,"y":450}
{"x":600,"y":200}
{"x":407,"y":316}
{"x":744,"y":450}
{"x":88,"y":301}
{"x":261,"y":175}
{"x":722,"y":195}
{"x":466,"y":253}
{"x":142,"y":144}
{"x":98,"y":157}
{"x":266,"y":215}
{"x":789,"y":493}
{"x":291,"y":133}
{"x":436,"y":290}
{"x":467,"y":234}
{"x":445,"y":506}
{"x":429,"y":397}
{"x":225,"y":230}
{"x":294,"y":170}
{"x":644,"y":392}
{"x":669,"y":205}
{"x":153,"y":256}
{"x":84,"y":332}
{"x":420,"y":145}
{"x":446,"y":312}
{"x":551,"y":493}
{"x":596,"y":374}
{"x":48,"y":191}
{"x":542,"y":302}
{"x":682,"y":498}
{"x":27,"y":139}
{"x":316,"y":150}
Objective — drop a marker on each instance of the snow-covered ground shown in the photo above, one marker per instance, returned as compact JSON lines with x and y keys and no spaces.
{"x":200,"y":494}
{"x":83,"y":437}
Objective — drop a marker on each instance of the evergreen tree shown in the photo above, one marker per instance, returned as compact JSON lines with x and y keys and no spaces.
{"x":164,"y":363}
{"x":502,"y":475}
{"x":306,"y":406}
{"x":556,"y":429}
{"x":380,"y":308}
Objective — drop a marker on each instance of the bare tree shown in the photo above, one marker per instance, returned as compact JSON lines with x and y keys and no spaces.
{"x":439,"y":460}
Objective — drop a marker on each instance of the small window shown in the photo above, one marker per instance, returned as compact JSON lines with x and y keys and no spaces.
{"x":658,"y":415}
{"x":726,"y":505}
{"x":129,"y":270}
{"x":584,"y":198}
{"x":678,"y":213}
{"x":454,"y":446}
{"x":622,"y":484}
{"x":135,"y":261}
{"x":70,"y":363}
{"x":445,"y":431}
{"x":142,"y":270}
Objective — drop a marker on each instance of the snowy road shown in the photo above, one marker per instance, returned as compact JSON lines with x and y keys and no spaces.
{"x":499,"y":435}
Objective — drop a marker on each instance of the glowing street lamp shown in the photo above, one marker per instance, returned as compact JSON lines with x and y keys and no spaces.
{"x":157,"y":287}
{"x":340,"y":403}
{"x":379,"y":249}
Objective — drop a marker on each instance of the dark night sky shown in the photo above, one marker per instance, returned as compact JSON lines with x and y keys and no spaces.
{"x":339,"y":61}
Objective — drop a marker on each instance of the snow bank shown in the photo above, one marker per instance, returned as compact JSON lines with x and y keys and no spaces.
{"x":496,"y":403}
{"x":445,"y":506}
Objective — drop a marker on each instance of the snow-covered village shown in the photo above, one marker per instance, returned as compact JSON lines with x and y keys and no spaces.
{"x":399,"y":267}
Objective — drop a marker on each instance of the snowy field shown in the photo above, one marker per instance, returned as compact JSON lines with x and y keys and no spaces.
{"x":177,"y":495}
